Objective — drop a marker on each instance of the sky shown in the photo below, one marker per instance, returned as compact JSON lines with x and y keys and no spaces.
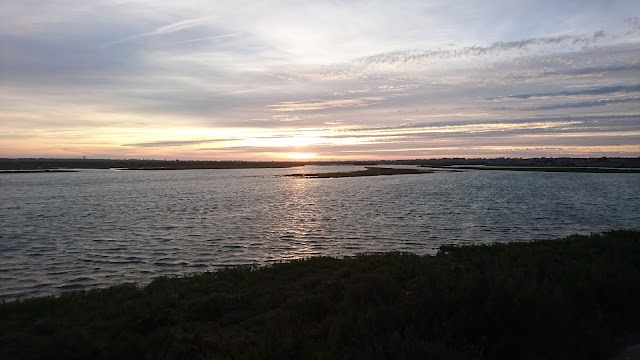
{"x":322,"y":80}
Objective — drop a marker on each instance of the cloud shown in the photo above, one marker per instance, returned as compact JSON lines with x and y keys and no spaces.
{"x":591,"y":103}
{"x":628,"y":121}
{"x":326,"y":104}
{"x":167,"y":29}
{"x":405,"y":56}
{"x":619,"y":130}
{"x":605,"y":90}
{"x":633,"y":22}
{"x":599,"y":70}
{"x":178,"y":26}
{"x":282,"y":66}
{"x":173,"y":143}
{"x":208,"y":38}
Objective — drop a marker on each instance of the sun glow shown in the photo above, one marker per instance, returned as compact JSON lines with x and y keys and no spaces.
{"x":294,"y":138}
{"x":300,"y":155}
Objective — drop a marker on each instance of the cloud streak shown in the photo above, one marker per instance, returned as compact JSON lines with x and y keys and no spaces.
{"x":586,"y":104}
{"x":208,"y":38}
{"x":326,"y":104}
{"x":472,"y":51}
{"x":605,"y":90}
{"x":174,"y":143}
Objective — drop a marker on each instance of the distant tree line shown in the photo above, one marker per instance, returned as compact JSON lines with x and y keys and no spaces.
{"x":145,"y":164}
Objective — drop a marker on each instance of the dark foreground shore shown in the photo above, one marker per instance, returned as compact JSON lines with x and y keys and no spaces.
{"x":572,"y":298}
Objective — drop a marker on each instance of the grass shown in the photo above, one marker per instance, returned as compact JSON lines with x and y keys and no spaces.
{"x":571,"y":298}
{"x":370,"y":171}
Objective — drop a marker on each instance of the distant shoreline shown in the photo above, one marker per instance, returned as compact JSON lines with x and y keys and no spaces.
{"x":541,"y":169}
{"x":36,"y":171}
{"x":532,"y":164}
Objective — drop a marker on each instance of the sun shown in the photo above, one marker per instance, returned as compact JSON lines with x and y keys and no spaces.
{"x":300,"y":155}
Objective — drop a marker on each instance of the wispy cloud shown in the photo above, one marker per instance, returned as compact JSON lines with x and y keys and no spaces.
{"x":326,"y":104}
{"x":605,"y":90}
{"x":597,"y":70}
{"x":208,"y":38}
{"x":174,"y":143}
{"x":422,"y":55}
{"x":622,"y":120}
{"x":583,"y":104}
{"x":180,"y":25}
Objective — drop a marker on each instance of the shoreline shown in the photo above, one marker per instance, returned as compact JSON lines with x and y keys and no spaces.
{"x":540,"y":169}
{"x":494,"y":301}
{"x":37,"y":171}
{"x":146,"y":164}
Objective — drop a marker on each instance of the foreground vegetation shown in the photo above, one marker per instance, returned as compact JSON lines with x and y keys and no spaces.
{"x":574,"y":298}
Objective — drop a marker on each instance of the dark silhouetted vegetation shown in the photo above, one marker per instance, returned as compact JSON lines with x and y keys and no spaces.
{"x":140,"y":164}
{"x":543,"y":169}
{"x":137,"y":164}
{"x":35,"y":171}
{"x":573,"y":298}
{"x":561,"y":162}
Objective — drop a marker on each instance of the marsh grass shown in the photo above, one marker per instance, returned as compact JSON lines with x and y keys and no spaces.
{"x":573,"y":298}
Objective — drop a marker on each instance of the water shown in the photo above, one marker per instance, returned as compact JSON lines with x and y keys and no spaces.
{"x":69,"y":231}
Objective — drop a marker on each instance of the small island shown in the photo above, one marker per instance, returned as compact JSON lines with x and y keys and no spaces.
{"x":370,"y":171}
{"x":151,"y":168}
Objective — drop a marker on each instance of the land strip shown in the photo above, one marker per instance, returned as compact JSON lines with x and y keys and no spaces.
{"x":370,"y":171}
{"x":40,"y":164}
{"x":543,"y":169}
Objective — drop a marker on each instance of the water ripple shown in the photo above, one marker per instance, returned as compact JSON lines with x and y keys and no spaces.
{"x":95,"y":228}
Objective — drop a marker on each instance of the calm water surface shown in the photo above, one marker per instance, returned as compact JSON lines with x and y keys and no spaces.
{"x":69,"y":231}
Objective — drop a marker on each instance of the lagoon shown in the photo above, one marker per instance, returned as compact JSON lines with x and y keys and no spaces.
{"x":70,"y":231}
